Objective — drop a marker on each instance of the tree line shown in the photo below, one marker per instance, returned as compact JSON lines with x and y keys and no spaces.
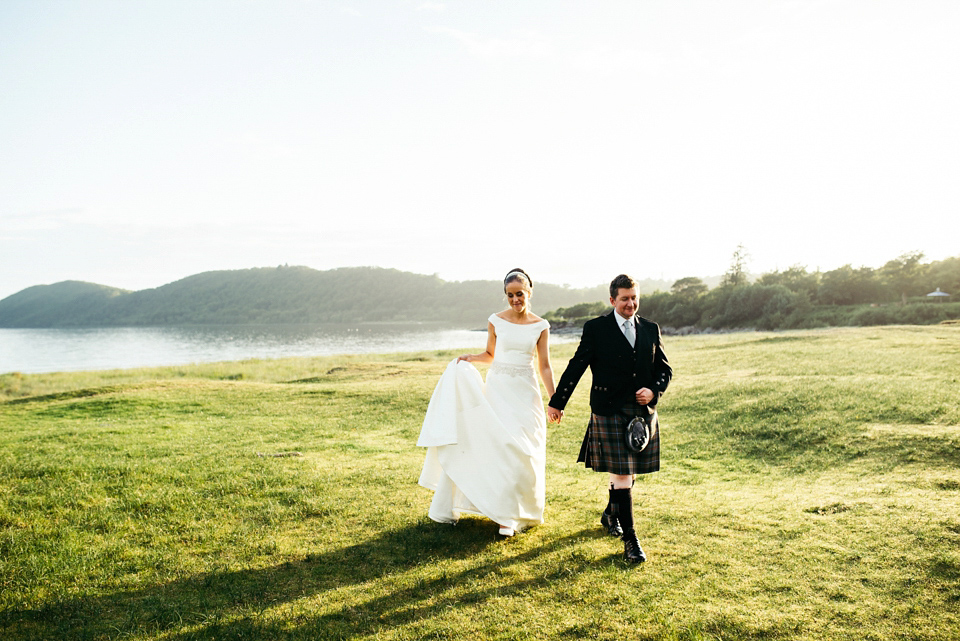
{"x":798,"y":299}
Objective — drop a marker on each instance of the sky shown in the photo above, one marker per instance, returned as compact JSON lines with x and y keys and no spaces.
{"x":145,"y":141}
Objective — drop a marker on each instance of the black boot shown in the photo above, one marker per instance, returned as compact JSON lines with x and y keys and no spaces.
{"x":623,"y":502}
{"x":609,"y":519}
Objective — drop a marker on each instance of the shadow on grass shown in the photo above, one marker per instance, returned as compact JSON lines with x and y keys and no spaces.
{"x":60,"y":396}
{"x":424,"y":600}
{"x":231,"y":604}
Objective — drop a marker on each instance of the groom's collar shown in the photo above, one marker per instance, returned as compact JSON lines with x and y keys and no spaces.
{"x":620,"y":319}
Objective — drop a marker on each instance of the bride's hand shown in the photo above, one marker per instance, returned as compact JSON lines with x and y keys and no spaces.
{"x":465,"y":357}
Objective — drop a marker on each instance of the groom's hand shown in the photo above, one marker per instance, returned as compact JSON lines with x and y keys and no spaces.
{"x":554,"y":414}
{"x":644,"y":395}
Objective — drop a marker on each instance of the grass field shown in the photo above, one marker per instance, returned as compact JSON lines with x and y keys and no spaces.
{"x":810,"y":490}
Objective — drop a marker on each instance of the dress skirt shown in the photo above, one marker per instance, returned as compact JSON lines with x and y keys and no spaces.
{"x":604,"y":450}
{"x":486,"y":445}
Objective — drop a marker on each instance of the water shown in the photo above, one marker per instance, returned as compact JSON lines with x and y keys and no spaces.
{"x":61,"y":350}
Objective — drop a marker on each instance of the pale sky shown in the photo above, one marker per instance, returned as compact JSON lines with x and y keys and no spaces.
{"x":142,"y":142}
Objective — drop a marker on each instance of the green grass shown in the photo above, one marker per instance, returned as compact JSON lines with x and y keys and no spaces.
{"x":810,"y":490}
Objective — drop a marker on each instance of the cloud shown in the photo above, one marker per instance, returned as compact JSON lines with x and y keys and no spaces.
{"x":527,"y":44}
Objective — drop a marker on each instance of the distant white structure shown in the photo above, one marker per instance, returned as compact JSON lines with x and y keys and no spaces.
{"x":938,"y":294}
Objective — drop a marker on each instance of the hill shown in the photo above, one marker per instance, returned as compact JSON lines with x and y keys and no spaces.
{"x":56,"y":305}
{"x":283,"y":295}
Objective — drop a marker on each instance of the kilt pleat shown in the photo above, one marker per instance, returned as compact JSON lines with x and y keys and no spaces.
{"x":604,"y":450}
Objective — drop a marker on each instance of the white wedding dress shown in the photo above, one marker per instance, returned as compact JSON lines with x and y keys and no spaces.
{"x":486,"y":443}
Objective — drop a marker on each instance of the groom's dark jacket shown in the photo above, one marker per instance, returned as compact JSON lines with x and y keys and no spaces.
{"x":618,"y":370}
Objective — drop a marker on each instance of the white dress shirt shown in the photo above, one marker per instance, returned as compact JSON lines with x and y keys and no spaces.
{"x":632,"y":335}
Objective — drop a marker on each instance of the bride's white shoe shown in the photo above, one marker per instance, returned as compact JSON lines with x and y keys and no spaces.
{"x":507,"y":531}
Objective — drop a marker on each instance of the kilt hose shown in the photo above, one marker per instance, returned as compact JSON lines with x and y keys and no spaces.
{"x":604,"y":450}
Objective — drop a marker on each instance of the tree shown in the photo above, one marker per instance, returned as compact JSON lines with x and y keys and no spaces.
{"x":796,"y":279}
{"x":848,"y":286}
{"x":689,"y":288}
{"x":904,"y":273}
{"x":737,"y":274}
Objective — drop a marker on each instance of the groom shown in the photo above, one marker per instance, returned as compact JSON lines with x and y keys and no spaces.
{"x":630,"y":373}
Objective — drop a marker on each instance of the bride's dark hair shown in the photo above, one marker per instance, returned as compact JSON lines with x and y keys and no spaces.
{"x":518,"y":275}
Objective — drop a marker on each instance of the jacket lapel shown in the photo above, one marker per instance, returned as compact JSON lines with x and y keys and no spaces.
{"x":644,"y":340}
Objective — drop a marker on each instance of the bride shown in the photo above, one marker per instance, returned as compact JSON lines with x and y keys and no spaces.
{"x":486,"y":442}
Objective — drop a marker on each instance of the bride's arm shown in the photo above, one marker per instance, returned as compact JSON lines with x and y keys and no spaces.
{"x":487,"y":356}
{"x":543,"y":356}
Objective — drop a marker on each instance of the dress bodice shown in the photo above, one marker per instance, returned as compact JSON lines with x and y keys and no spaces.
{"x":516,"y":344}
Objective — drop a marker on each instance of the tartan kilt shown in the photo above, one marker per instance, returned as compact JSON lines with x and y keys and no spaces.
{"x":603,"y":448}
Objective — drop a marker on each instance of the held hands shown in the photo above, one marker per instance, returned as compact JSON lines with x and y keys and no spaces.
{"x":644,"y":396}
{"x":554,"y":415}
